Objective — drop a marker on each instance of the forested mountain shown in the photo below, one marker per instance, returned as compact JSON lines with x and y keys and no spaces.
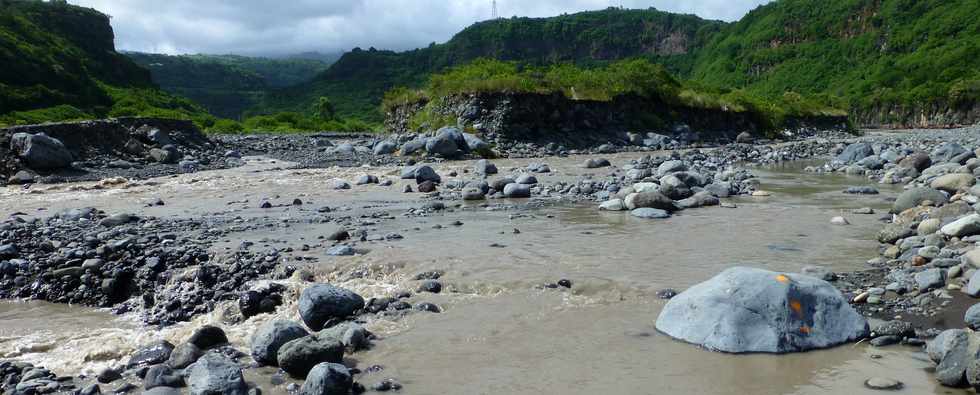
{"x":359,"y":79}
{"x":226,"y":85}
{"x":884,"y":60}
{"x":59,"y":62}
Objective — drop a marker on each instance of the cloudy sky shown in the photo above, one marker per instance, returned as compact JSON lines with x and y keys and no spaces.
{"x":280,"y":27}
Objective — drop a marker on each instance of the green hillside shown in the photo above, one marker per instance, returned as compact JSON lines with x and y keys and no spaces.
{"x":861,"y":54}
{"x":226,"y":85}
{"x":59,"y":63}
{"x":359,"y":79}
{"x":867,"y":56}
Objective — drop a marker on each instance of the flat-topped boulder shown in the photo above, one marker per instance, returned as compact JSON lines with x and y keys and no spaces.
{"x":746,"y":310}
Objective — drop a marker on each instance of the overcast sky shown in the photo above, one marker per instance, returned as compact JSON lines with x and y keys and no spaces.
{"x":279,"y":27}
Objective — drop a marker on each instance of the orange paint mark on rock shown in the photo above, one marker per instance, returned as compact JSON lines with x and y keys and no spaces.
{"x":783,"y":279}
{"x":796,"y":306}
{"x":805,"y":330}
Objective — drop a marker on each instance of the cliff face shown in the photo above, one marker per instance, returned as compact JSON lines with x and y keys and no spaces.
{"x":54,"y":53}
{"x":545,"y":119}
{"x":923,"y":116}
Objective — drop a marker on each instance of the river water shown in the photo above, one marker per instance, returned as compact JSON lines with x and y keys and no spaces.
{"x":501,"y":332}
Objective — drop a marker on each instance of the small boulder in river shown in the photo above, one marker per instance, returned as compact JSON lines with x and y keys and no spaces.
{"x":215,"y":373}
{"x":650,"y":213}
{"x":517,"y":191}
{"x":753,"y":310}
{"x":271,"y":336}
{"x":327,"y":379}
{"x":299,"y":356}
{"x":484,"y":167}
{"x":322,"y":303}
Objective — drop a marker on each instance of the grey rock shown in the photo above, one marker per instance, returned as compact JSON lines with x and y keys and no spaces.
{"x":162,"y":376}
{"x":184,"y":355}
{"x":650,"y":213}
{"x":412,"y":147}
{"x":41,"y":152}
{"x":327,"y":379}
{"x":118,"y":219}
{"x":955,"y":358}
{"x":484,"y":167}
{"x":474,"y":143}
{"x":425,"y":173}
{"x":863,"y":190}
{"x":321,"y":303}
{"x":973,"y":286}
{"x":854,"y":153}
{"x":385,"y":148}
{"x":341,"y":250}
{"x":914,"y":197}
{"x":650,"y":199}
{"x":299,"y":356}
{"x":443,"y":144}
{"x":526,"y":179}
{"x":215,"y":374}
{"x":270,"y":337}
{"x":966,"y":226}
{"x":929,"y":279}
{"x":753,"y":310}
{"x":153,"y":354}
{"x":972,"y":316}
{"x":671,"y":166}
{"x":517,"y":191}
{"x":596,"y":163}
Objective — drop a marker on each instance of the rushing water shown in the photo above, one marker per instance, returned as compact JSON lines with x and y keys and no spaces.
{"x":501,"y":332}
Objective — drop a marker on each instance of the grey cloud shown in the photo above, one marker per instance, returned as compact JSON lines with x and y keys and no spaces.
{"x":264,"y":27}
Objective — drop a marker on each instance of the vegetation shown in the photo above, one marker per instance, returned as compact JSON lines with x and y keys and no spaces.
{"x":226,"y":85}
{"x":854,"y":54}
{"x":635,"y":77}
{"x":867,"y":53}
{"x":359,"y":79}
{"x":59,"y":63}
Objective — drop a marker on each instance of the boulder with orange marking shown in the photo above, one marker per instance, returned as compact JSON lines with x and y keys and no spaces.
{"x":745,"y":310}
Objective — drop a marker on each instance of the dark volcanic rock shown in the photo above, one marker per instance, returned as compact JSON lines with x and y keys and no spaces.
{"x":323,"y":303}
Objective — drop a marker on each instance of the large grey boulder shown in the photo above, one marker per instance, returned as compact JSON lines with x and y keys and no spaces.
{"x":671,"y":166}
{"x":753,"y":310}
{"x":966,"y":226}
{"x":215,"y":374}
{"x":40,"y":152}
{"x":443,"y":144}
{"x":650,"y":199}
{"x":914,"y":197}
{"x":327,"y":379}
{"x":854,"y":153}
{"x":270,"y":337}
{"x":322,"y":303}
{"x":385,"y":148}
{"x":299,"y":356}
{"x":953,"y":351}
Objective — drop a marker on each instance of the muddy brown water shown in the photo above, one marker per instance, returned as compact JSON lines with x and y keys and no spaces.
{"x":500,"y":331}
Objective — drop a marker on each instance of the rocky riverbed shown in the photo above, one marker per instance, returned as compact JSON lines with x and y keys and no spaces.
{"x":354,"y":270}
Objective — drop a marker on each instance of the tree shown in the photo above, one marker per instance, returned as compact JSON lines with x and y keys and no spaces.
{"x":323,"y":109}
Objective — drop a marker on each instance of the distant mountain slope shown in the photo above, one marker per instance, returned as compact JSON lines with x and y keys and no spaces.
{"x":226,"y":84}
{"x":357,"y":82}
{"x":884,"y":59}
{"x":890,"y":62}
{"x":59,"y":62}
